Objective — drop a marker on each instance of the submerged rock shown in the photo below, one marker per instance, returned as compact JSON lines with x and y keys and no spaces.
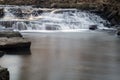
{"x":4,"y":74}
{"x":93,"y":27}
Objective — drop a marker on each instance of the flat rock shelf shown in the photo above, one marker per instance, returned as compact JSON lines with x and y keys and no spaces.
{"x":4,"y":74}
{"x":14,"y":43}
{"x":10,"y":34}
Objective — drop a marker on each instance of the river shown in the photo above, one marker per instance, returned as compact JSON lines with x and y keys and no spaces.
{"x":84,"y":55}
{"x":63,"y":47}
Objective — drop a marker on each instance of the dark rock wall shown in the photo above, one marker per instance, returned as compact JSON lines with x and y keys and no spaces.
{"x":112,"y":13}
{"x":46,"y":1}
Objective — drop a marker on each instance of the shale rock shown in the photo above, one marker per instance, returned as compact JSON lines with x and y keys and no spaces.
{"x":10,"y":40}
{"x":16,"y":11}
{"x":10,"y":34}
{"x":14,"y":43}
{"x":4,"y":74}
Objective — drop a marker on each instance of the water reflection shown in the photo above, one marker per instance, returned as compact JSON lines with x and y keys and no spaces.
{"x":67,"y":56}
{"x":18,"y":52}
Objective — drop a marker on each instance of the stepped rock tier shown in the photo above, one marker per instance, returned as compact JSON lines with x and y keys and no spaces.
{"x":30,"y":18}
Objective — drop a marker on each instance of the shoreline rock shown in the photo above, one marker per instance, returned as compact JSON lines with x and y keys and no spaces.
{"x":9,"y":34}
{"x":14,"y":43}
{"x":10,"y":40}
{"x":4,"y":74}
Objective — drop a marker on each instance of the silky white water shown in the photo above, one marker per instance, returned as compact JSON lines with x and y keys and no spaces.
{"x":37,"y":19}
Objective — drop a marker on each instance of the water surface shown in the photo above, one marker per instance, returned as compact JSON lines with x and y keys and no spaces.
{"x":85,"y":55}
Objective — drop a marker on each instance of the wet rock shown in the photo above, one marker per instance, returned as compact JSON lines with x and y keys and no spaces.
{"x":16,"y":11}
{"x":1,"y":12}
{"x":11,"y":24}
{"x":14,"y":43}
{"x":93,"y":27}
{"x":19,"y":12}
{"x":118,"y":31}
{"x":2,"y":53}
{"x":37,"y":12}
{"x":10,"y":40}
{"x":112,"y":15}
{"x":10,"y":34}
{"x":4,"y":74}
{"x":6,"y":24}
{"x":52,"y":27}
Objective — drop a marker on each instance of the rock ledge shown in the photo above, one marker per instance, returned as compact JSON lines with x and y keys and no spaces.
{"x":4,"y":74}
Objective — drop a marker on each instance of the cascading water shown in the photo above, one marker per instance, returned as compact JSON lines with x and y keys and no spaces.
{"x":32,"y":19}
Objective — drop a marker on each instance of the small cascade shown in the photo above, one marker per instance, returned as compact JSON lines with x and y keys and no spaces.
{"x":8,"y":14}
{"x":28,"y":18}
{"x":20,"y":26}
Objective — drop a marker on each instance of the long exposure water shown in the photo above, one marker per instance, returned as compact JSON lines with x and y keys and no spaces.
{"x":57,"y":53}
{"x":30,"y":18}
{"x":85,"y":55}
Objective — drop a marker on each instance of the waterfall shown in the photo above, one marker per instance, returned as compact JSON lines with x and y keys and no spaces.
{"x":8,"y":14}
{"x":29,"y":18}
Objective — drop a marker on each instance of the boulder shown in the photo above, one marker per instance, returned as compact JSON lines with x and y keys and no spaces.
{"x":10,"y":34}
{"x":4,"y":74}
{"x":93,"y":27}
{"x":15,"y":43}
